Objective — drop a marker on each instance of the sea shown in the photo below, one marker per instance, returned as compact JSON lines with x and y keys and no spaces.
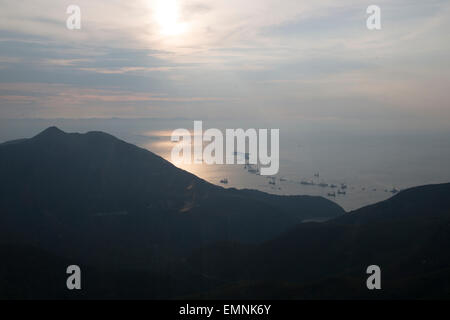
{"x":350,"y":166}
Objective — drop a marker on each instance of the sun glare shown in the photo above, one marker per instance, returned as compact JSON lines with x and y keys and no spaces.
{"x":167,"y":15}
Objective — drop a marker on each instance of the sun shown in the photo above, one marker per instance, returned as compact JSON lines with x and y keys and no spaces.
{"x":167,"y":15}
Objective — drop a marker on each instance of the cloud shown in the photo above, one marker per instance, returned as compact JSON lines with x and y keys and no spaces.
{"x":252,"y":58}
{"x":122,"y":70}
{"x":65,"y":62}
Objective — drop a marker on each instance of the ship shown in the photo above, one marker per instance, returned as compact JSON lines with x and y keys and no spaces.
{"x":394,"y":190}
{"x":307,"y":183}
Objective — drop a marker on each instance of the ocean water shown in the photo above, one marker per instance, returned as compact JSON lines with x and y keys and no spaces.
{"x":370,"y":164}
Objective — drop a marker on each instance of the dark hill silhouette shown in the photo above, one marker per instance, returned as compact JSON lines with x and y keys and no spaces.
{"x":142,"y":228}
{"x":408,"y":236}
{"x":90,"y":193}
{"x":31,"y":273}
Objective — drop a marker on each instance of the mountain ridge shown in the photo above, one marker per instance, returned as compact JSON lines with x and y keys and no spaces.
{"x":128,"y":216}
{"x":315,"y":257}
{"x":72,"y":184}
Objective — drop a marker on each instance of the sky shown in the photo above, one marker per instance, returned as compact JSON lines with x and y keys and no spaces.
{"x":289,"y":60}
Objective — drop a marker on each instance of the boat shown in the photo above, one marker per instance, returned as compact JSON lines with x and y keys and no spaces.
{"x":333,"y":186}
{"x":224,"y":181}
{"x":323,"y":184}
{"x":317,"y":175}
{"x":394,"y":190}
{"x":332,"y":194}
{"x":343,"y":186}
{"x":246,"y":154}
{"x":307,"y":183}
{"x":341,"y":192}
{"x":252,"y":169}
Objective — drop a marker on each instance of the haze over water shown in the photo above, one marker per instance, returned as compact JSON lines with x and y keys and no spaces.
{"x":371,"y":164}
{"x":361,"y":106}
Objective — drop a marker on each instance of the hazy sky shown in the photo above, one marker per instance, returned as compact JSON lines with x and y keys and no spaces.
{"x":269,"y":59}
